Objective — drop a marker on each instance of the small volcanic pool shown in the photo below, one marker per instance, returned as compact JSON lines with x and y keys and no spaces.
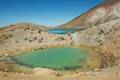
{"x":62,"y":31}
{"x":54,"y":58}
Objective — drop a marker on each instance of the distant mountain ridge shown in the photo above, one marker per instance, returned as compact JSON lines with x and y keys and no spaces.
{"x":107,"y":11}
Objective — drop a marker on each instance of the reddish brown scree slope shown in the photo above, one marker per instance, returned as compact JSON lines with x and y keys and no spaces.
{"x":107,"y":11}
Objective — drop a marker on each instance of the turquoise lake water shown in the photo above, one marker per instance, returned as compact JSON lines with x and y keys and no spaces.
{"x":54,"y":58}
{"x":62,"y":31}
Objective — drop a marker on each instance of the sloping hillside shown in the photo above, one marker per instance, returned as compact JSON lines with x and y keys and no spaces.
{"x":24,"y":37}
{"x":104,"y":39}
{"x":107,"y":11}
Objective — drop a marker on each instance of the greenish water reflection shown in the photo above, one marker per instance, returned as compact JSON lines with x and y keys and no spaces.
{"x":54,"y":58}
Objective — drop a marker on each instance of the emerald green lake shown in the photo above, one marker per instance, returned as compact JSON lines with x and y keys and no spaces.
{"x":54,"y":58}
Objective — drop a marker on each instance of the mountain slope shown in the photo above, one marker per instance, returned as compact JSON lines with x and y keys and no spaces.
{"x":105,"y":40}
{"x":107,"y":11}
{"x":23,"y":37}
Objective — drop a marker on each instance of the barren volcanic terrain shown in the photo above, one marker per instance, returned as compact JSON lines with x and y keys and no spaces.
{"x":101,"y":39}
